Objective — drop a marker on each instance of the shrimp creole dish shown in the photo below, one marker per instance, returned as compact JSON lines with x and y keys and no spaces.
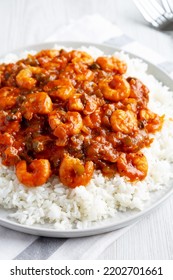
{"x":82,"y":136}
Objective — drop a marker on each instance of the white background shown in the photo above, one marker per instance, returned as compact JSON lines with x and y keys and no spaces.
{"x":82,"y":269}
{"x":25,"y":22}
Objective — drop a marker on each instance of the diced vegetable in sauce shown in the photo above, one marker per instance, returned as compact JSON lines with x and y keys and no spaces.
{"x":66,"y":114}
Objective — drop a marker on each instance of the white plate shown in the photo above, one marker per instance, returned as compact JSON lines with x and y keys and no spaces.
{"x":122,"y":219}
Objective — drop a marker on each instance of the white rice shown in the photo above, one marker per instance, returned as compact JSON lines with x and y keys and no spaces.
{"x":83,"y":207}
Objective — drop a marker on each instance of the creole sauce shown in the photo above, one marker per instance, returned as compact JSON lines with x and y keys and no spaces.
{"x":67,"y":114}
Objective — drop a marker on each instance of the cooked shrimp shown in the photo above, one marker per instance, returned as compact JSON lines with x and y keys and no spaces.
{"x":50,"y":53}
{"x":115,"y":90}
{"x":129,"y":104}
{"x":70,"y":122}
{"x":61,"y":88}
{"x":78,"y":72}
{"x":37,"y":174}
{"x":8,"y":96}
{"x":83,"y":102}
{"x":124,"y":121}
{"x":107,"y":111}
{"x":10,"y":156}
{"x":138,"y":91}
{"x":73,"y":172}
{"x":151,"y":121}
{"x":133,"y":165}
{"x":80,"y":57}
{"x":112,"y":64}
{"x":90,"y":104}
{"x":24,"y":78}
{"x":51,"y":60}
{"x":67,"y":113}
{"x":36,"y":103}
{"x":93,"y":120}
{"x":75,"y":103}
{"x":53,"y":65}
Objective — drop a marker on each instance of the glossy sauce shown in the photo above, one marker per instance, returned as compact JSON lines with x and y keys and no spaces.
{"x":65,"y":113}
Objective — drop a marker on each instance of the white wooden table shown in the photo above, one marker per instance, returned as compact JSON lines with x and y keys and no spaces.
{"x":25,"y":22}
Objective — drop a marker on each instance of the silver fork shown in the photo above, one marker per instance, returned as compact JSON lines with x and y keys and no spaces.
{"x":155,"y":14}
{"x":168,"y":6}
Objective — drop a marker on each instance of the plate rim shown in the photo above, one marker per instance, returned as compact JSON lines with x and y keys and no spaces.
{"x":99,"y":229}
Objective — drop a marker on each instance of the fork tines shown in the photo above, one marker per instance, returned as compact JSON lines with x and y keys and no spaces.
{"x":168,"y":5}
{"x":154,"y":13}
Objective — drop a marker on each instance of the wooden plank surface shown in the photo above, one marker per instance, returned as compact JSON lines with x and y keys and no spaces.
{"x":25,"y":22}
